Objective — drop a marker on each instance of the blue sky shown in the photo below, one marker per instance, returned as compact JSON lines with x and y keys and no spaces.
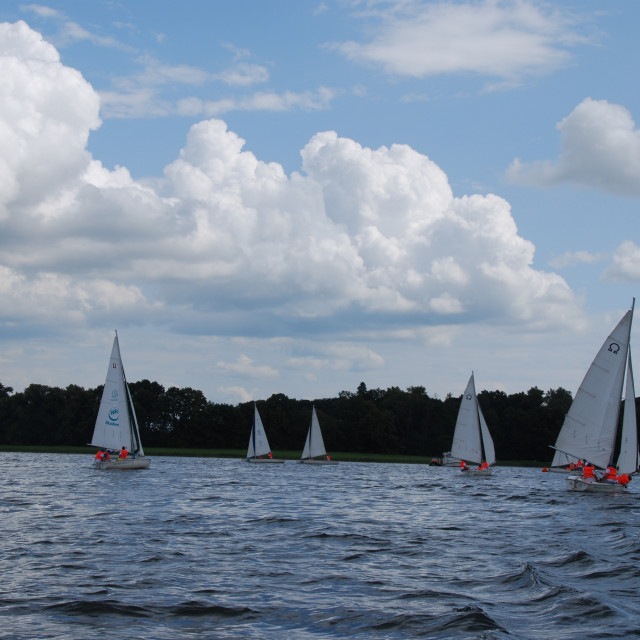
{"x":294,"y":197}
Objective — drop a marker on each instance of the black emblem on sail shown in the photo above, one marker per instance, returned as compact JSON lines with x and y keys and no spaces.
{"x":614,"y":347}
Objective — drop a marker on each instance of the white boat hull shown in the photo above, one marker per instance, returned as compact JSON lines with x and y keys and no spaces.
{"x":264,"y":460}
{"x":478,"y":472}
{"x":123,"y":465}
{"x":312,"y":461}
{"x":578,"y":483}
{"x":559,"y":470}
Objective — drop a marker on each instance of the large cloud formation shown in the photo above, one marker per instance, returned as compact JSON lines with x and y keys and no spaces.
{"x":224,"y":243}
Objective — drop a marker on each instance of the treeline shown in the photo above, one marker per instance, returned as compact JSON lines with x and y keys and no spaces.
{"x":390,"y":421}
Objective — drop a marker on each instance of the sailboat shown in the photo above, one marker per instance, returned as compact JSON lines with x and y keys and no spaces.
{"x":314,"y":451}
{"x":116,"y":425}
{"x":258,"y":443}
{"x":472,"y":441}
{"x":563,"y":463}
{"x":591,"y":427}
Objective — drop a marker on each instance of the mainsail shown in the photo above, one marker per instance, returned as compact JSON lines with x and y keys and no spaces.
{"x":590,"y":426}
{"x":258,"y":443}
{"x":314,"y":445}
{"x":471,"y":431}
{"x":116,"y":425}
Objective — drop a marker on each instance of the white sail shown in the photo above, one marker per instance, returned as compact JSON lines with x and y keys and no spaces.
{"x":628,"y":458}
{"x":258,"y":443}
{"x":487,"y":440}
{"x":116,"y":425}
{"x":589,"y":428}
{"x":561,"y":459}
{"x":314,"y":445}
{"x":467,"y":437}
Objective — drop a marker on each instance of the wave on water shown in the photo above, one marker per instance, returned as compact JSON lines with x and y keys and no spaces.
{"x":464,"y":620}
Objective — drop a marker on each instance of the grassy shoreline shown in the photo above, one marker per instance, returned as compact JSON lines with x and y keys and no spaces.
{"x":240,"y":454}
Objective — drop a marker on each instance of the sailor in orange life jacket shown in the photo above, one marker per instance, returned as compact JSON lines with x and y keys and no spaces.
{"x":463,"y":465}
{"x":270,"y":454}
{"x":484,"y":465}
{"x":587,"y":472}
{"x":99,"y":455}
{"x":123,"y":453}
{"x":611,"y":474}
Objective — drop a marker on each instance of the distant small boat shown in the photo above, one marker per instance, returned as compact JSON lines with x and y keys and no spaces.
{"x":472,"y":441}
{"x":590,"y":428}
{"x":314,"y":451}
{"x":258,"y":443}
{"x":116,"y":425}
{"x":449,"y":461}
{"x":563,"y":463}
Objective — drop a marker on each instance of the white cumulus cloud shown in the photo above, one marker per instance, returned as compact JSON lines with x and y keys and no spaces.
{"x":626,"y":264}
{"x":600,"y":150}
{"x":359,"y":240}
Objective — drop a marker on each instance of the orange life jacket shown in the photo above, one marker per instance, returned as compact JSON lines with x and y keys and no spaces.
{"x":587,"y":471}
{"x":99,"y":455}
{"x":610,"y":473}
{"x":123,"y":454}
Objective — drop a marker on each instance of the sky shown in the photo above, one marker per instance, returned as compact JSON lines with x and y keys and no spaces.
{"x":299,"y":196}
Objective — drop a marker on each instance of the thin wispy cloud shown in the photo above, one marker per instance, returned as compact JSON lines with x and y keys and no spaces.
{"x":573,"y":258}
{"x":506,"y":40}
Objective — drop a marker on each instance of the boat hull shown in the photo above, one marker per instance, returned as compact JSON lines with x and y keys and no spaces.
{"x":578,"y":483}
{"x":264,"y":460}
{"x":312,"y":461}
{"x":558,"y":470}
{"x":122,"y":465}
{"x":481,"y":473}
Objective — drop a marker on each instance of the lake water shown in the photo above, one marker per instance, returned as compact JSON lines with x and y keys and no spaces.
{"x":217,"y":548}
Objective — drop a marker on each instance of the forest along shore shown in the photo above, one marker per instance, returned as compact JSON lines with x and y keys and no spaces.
{"x":390,"y":422}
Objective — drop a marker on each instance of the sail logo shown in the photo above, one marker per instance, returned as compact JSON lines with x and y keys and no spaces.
{"x":614,"y":347}
{"x":114,"y":395}
{"x":112,"y":419}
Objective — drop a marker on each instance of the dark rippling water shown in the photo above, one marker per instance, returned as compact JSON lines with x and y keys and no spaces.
{"x":215,"y":548}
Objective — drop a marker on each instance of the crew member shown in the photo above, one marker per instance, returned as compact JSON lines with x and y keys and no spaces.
{"x":587,"y":471}
{"x":611,"y":474}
